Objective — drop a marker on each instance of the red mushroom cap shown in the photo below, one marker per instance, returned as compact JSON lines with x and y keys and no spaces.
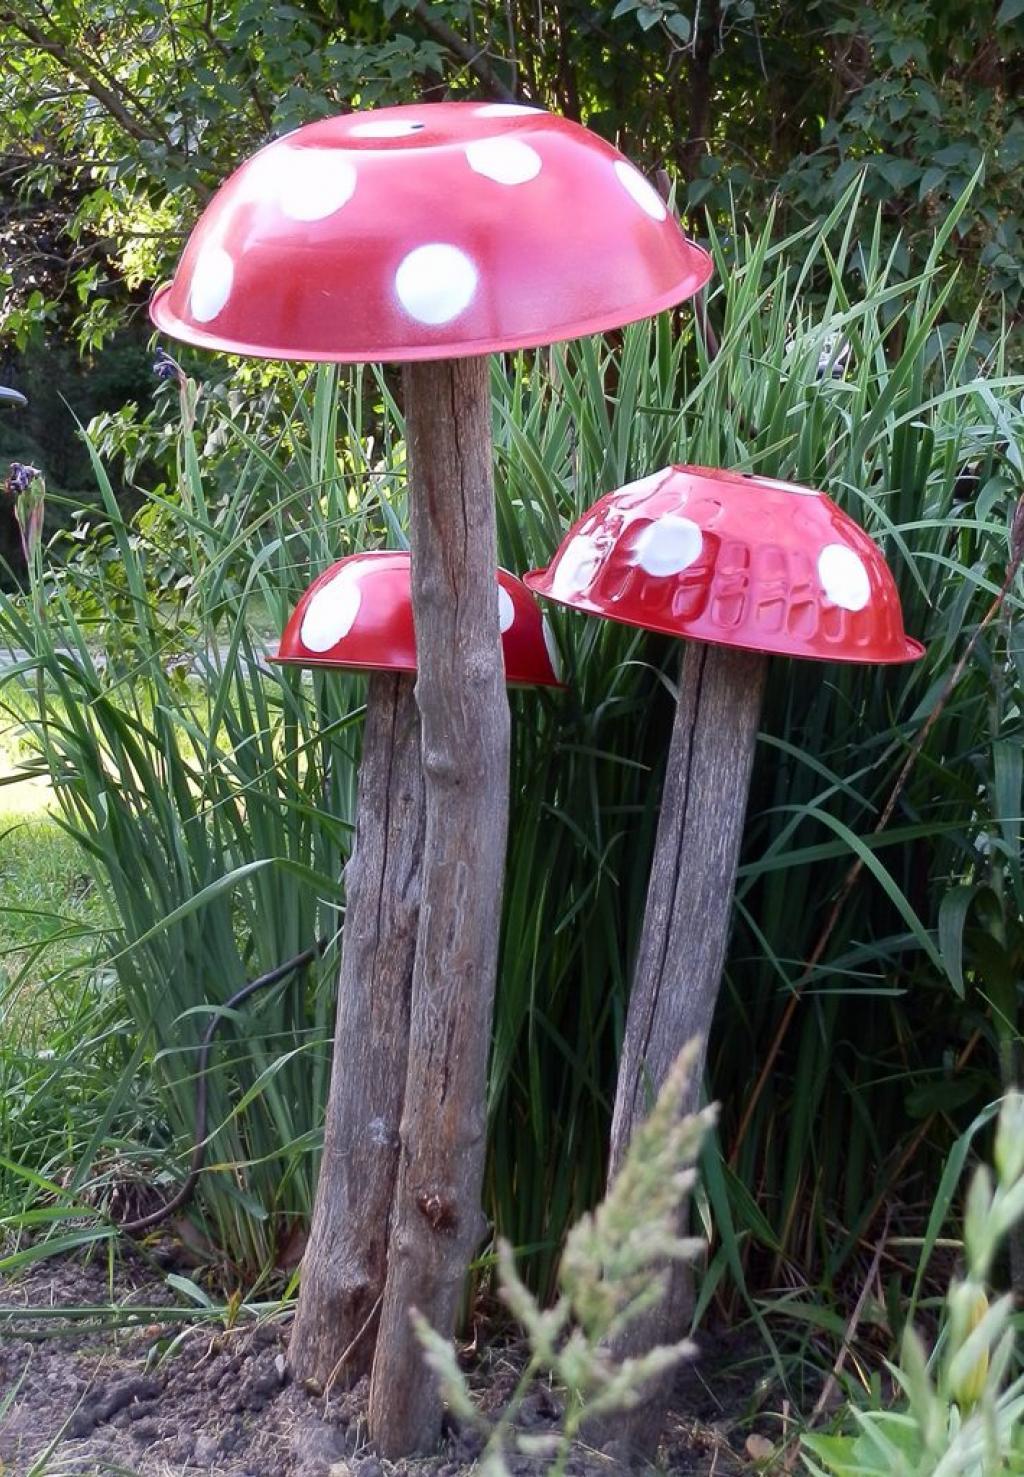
{"x":358,"y":614}
{"x":733,"y":559}
{"x":427,"y":232}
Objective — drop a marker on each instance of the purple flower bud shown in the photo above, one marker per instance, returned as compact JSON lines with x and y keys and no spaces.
{"x":166,"y":368}
{"x":19,"y":478}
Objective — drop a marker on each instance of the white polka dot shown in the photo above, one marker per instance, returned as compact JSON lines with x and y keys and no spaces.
{"x":554,"y":656}
{"x":668,"y":546}
{"x":577,"y":566}
{"x":386,"y":128}
{"x":843,"y":577}
{"x":504,"y":110}
{"x":331,"y":612}
{"x":314,"y":183}
{"x":506,"y":610}
{"x":644,"y":193}
{"x":210,"y":288}
{"x":507,"y":160}
{"x":435,"y":282}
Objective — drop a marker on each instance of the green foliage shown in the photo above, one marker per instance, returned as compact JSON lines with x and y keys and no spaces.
{"x":116,"y":129}
{"x":125,"y":121}
{"x":612,"y":1272}
{"x":962,"y":1410}
{"x":929,"y":101}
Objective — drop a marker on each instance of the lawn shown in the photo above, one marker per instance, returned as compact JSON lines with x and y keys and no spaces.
{"x":49,"y":907}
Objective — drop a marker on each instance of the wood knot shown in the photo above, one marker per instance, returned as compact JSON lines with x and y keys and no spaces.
{"x":439,"y":1214}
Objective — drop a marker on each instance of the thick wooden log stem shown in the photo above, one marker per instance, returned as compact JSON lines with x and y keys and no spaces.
{"x":683,"y":942}
{"x":344,"y":1265}
{"x":437,"y":1222}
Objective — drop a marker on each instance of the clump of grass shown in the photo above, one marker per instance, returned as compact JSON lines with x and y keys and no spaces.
{"x":51,"y":916}
{"x":919,"y":439}
{"x":212,"y":817}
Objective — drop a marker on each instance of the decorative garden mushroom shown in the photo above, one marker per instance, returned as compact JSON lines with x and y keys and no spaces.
{"x":743,"y":567}
{"x":433,"y":235}
{"x":358,"y":616}
{"x":11,"y":397}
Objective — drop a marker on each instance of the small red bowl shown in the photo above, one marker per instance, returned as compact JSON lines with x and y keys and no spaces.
{"x":358,"y":615}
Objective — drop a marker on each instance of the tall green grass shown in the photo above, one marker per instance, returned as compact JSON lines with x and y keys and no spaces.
{"x":920,"y":441}
{"x":214,"y":807}
{"x":211,"y":797}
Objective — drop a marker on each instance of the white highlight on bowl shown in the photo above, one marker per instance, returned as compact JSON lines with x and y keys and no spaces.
{"x":668,"y":546}
{"x":314,"y":183}
{"x":844,"y":577}
{"x":576,"y":567}
{"x":642,"y":191}
{"x":436,"y":282}
{"x":331,"y":612}
{"x":507,"y":160}
{"x":554,"y":656}
{"x":506,"y":610}
{"x":504,"y":110}
{"x":210,"y":288}
{"x":777,"y":484}
{"x":642,"y":486}
{"x":386,"y":128}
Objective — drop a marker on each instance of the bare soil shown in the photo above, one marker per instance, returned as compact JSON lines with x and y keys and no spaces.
{"x":165,"y":1399}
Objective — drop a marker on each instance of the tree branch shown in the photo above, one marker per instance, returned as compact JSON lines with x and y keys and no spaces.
{"x":77,"y":65}
{"x":475,"y":59}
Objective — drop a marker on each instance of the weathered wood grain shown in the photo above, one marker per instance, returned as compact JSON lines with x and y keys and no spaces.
{"x":437,"y":1223}
{"x":684,"y":937}
{"x":344,"y":1265}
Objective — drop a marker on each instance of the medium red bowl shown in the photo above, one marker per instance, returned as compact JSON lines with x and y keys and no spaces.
{"x":731,"y":558}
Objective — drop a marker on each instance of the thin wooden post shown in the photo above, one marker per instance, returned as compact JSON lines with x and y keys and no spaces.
{"x":683,"y":942}
{"x":437,"y":1223}
{"x":345,"y":1262}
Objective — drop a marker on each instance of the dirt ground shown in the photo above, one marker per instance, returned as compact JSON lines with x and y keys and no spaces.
{"x":156,"y":1399}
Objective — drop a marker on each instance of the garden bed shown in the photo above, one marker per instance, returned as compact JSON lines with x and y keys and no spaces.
{"x":153,"y":1397}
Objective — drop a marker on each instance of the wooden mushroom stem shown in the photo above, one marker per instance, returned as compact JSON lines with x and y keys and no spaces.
{"x":346,"y":1257}
{"x":683,"y":941}
{"x":437,"y":1222}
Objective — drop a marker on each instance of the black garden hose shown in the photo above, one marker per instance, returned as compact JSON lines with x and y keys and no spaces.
{"x":184,"y":1194}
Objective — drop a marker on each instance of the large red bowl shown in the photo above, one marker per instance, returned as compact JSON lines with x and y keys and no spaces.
{"x":427,"y":232}
{"x":358,"y":615}
{"x":735,"y":559}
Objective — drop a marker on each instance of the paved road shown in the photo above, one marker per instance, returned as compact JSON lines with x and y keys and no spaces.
{"x":9,"y":659}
